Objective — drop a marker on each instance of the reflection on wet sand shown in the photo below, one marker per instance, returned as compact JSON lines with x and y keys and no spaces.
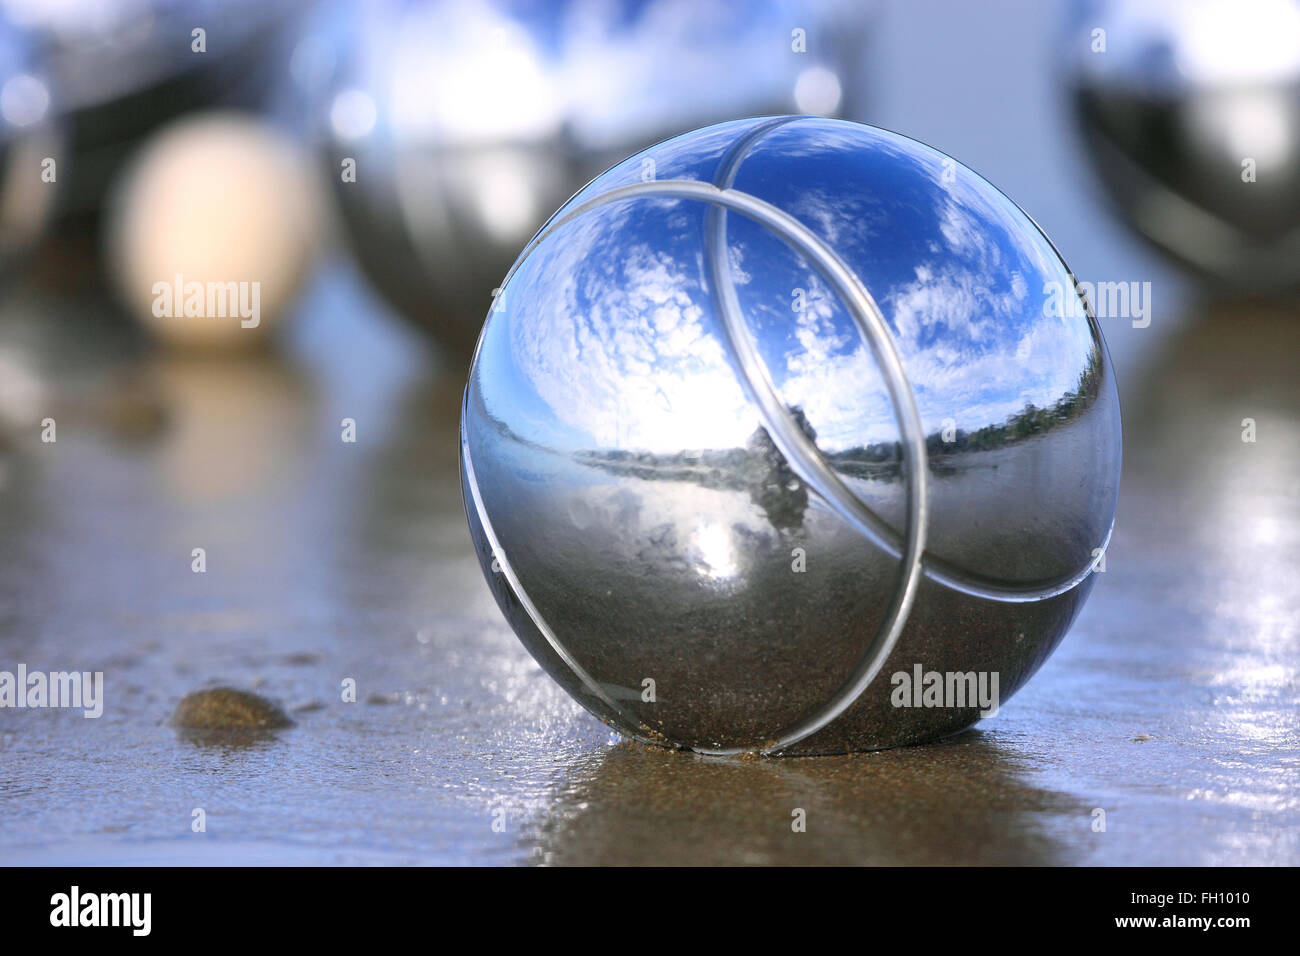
{"x":966,"y":800}
{"x":361,"y":564}
{"x":239,"y":425}
{"x":228,"y":740}
{"x":1213,"y":505}
{"x":410,"y":519}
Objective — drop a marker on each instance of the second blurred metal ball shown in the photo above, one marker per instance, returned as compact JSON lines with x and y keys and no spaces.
{"x":1190,"y":112}
{"x":468,"y":123}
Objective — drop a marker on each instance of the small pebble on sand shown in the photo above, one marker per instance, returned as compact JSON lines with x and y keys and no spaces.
{"x":224,"y":708}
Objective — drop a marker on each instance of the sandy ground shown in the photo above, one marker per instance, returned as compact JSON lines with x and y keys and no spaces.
{"x":1173,"y":705}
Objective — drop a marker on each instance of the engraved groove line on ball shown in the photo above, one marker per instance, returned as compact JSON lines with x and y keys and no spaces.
{"x":860,"y":303}
{"x":507,"y":569}
{"x":801,"y":453}
{"x":826,"y":481}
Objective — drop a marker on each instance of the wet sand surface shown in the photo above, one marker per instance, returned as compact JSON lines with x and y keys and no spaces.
{"x":1173,"y":705}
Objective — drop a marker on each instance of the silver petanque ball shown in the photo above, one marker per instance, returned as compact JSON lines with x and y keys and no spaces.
{"x":467,"y":123}
{"x":802,"y":444}
{"x":1190,"y":112}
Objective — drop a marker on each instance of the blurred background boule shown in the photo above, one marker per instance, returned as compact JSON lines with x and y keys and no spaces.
{"x":217,"y":198}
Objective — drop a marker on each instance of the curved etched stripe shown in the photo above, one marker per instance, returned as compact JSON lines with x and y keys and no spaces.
{"x":880,"y":531}
{"x":803,"y":456}
{"x":735,"y":154}
{"x":499,"y":554}
{"x":786,"y":433}
{"x":859,"y":302}
{"x":977,"y":585}
{"x":799,"y":451}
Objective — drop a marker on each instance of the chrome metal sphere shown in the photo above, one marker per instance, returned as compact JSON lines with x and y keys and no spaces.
{"x":811,"y":407}
{"x":1191,"y":115}
{"x":468,"y":123}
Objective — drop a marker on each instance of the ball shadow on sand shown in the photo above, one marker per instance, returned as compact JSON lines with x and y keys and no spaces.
{"x":964,"y":800}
